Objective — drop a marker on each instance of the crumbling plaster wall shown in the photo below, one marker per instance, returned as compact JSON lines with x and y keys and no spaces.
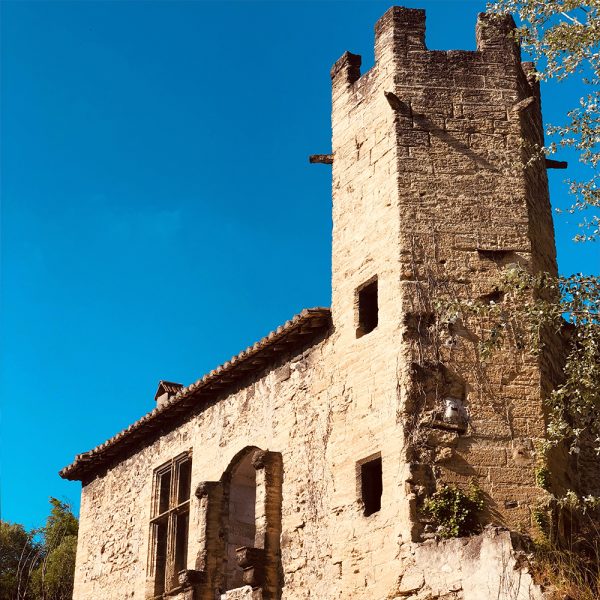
{"x":486,"y":566}
{"x":322,"y":420}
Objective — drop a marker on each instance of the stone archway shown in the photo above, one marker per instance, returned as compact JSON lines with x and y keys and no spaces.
{"x":252,"y":488}
{"x":240,"y":517}
{"x":239,"y":530}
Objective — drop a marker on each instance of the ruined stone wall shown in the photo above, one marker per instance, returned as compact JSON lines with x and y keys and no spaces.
{"x":321,"y":425}
{"x":492,"y":565}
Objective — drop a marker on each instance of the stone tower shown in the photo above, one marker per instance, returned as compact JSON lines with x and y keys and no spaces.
{"x":432,"y":196}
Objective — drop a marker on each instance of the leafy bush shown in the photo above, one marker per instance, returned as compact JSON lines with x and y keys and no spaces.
{"x":454,"y":511}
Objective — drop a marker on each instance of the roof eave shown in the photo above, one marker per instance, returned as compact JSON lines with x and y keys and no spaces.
{"x":296,"y":332}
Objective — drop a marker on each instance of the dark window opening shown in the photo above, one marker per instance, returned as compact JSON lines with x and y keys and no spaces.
{"x":494,"y":297}
{"x":164,"y":483}
{"x":495,"y":255}
{"x":368,"y":309}
{"x":185,"y":473}
{"x":371,"y":485}
{"x":181,"y":540}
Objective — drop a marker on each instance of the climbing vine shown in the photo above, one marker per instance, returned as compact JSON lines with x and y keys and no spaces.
{"x":538,"y":310}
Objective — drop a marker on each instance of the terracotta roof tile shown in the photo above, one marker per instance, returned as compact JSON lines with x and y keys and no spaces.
{"x":294,"y":333}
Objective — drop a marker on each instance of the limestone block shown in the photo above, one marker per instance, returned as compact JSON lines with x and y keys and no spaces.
{"x":242,"y":593}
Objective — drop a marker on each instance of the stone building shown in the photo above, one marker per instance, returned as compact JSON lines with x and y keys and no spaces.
{"x":297,"y":469}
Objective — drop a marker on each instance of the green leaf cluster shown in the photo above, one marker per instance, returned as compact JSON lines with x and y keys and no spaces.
{"x":454,"y":511}
{"x":542,"y":477}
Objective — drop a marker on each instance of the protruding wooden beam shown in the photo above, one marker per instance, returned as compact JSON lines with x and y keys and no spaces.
{"x":398,"y":105}
{"x":556,"y":164}
{"x":523,"y":104}
{"x":322,"y":159}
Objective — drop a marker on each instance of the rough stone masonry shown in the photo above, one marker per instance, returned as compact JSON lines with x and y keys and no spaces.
{"x":297,"y":469}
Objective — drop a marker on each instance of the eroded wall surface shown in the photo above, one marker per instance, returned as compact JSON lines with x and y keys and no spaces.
{"x":489,"y":565}
{"x":322,"y":422}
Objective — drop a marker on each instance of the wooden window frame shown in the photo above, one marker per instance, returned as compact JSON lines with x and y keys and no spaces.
{"x":176,"y":508}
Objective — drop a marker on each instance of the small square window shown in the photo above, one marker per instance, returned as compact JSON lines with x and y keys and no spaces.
{"x":371,"y":484}
{"x":368,"y":309}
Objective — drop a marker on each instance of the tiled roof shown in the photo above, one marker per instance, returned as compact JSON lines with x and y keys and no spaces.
{"x":295,"y":333}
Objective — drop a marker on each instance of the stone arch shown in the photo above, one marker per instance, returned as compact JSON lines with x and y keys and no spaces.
{"x":239,"y":513}
{"x":251,"y":522}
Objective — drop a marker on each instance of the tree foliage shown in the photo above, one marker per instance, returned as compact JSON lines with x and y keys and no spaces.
{"x":39,"y":565}
{"x":17,"y":552}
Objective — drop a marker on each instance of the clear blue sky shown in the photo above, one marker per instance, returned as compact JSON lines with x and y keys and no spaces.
{"x":158,"y":210}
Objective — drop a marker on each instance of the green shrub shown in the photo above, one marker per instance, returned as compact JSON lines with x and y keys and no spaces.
{"x":454,"y":511}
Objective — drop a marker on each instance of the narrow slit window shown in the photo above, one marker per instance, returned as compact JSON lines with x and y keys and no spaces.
{"x":371,"y":485}
{"x":368,"y":309}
